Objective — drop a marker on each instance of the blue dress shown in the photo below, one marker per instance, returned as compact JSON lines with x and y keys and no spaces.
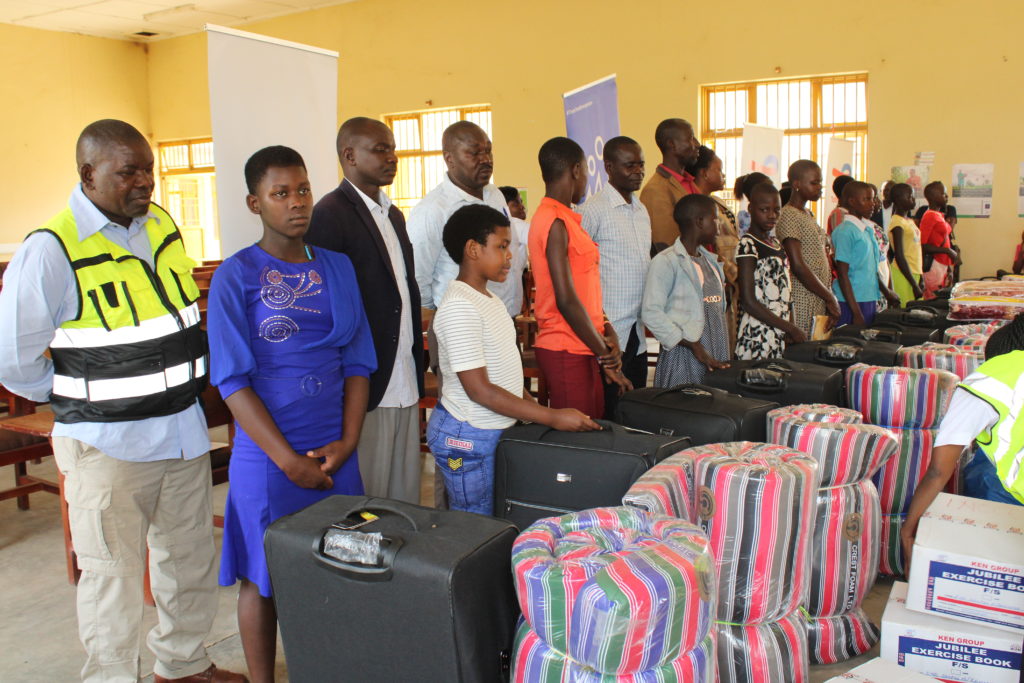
{"x":292,"y":332}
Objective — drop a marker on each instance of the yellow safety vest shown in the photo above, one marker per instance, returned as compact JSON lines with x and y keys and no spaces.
{"x":135,"y":350}
{"x":1000,"y":383}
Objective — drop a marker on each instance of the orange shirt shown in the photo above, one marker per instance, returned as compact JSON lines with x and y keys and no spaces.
{"x":553,"y":332}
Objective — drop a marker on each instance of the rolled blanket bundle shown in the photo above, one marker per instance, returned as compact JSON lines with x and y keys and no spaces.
{"x":908,"y":398}
{"x":534,"y":661}
{"x":618,"y":590}
{"x":890,"y":561}
{"x":836,"y":639}
{"x":845,"y":548}
{"x":847,"y":450}
{"x":666,"y":488}
{"x":960,"y":360}
{"x":898,"y":478}
{"x":971,"y":334}
{"x":773,"y":652}
{"x":756,"y":503}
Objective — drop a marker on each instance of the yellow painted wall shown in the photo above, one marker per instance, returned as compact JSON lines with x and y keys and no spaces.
{"x":944,"y":76}
{"x":53,"y":85}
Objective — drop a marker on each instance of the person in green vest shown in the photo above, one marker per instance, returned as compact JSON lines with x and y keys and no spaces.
{"x":106,"y":287}
{"x":984,"y":409}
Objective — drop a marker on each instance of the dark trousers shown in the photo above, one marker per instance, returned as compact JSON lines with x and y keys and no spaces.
{"x":634,"y":367}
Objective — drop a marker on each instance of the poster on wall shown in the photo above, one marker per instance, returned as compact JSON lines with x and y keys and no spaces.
{"x":915,"y":176}
{"x":591,"y":117}
{"x":1020,"y":191}
{"x":838,"y":161}
{"x":762,"y":151}
{"x":972,"y":190}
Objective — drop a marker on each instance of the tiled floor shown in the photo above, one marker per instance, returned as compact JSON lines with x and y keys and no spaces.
{"x":37,"y":613}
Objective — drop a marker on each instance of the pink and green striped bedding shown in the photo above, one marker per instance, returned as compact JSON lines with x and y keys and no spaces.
{"x":773,"y":652}
{"x":665,"y":489}
{"x":906,"y":398}
{"x":836,"y":639}
{"x":960,"y":360}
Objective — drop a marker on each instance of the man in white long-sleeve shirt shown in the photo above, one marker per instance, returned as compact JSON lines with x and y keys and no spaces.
{"x":467,"y":154}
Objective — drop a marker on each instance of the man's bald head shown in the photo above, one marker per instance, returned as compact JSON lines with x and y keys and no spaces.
{"x":467,"y":154}
{"x":461,"y":131}
{"x":115,"y":165}
{"x":357,"y":127}
{"x":366,"y":152}
{"x":100,"y":136}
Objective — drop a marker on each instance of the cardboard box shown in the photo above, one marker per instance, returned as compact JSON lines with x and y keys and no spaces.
{"x":968,"y":562}
{"x":879,"y":670}
{"x":946,"y":649}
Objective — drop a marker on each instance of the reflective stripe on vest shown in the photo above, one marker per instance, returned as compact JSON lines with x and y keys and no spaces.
{"x":1000,"y":383}
{"x":136,"y":349}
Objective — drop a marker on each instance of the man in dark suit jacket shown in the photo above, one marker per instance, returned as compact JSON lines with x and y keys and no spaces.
{"x":359,"y":220}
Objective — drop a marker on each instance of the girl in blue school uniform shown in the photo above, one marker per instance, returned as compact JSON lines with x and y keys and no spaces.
{"x":291,"y":354}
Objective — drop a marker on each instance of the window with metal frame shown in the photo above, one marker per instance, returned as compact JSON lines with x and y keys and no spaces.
{"x":188,"y":192}
{"x":418,"y":146}
{"x":811,"y":110}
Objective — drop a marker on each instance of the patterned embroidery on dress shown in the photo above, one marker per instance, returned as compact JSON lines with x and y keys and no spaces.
{"x":279,"y":291}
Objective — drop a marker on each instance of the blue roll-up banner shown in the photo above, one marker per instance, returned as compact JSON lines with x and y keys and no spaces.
{"x":591,"y":117}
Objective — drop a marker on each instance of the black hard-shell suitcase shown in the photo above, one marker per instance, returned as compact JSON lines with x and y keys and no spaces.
{"x":705,"y":414}
{"x":542,"y":472}
{"x":904,"y":335}
{"x":843,"y":352}
{"x":928,"y":317}
{"x":438,"y":606}
{"x":786,"y":382}
{"x":940,"y":305}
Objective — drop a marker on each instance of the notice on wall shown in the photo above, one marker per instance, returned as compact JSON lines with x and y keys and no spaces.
{"x":1020,"y":191}
{"x":762,"y":151}
{"x":591,"y":118}
{"x":915,"y":176}
{"x":972,"y":190}
{"x":839,"y":161}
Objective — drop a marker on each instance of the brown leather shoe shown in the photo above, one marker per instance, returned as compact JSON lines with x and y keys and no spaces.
{"x":211,"y":675}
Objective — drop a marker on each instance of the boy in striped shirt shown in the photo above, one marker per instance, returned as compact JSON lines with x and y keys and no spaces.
{"x":481,"y":370}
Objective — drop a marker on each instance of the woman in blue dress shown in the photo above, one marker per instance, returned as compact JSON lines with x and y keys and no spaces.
{"x":291,"y":354}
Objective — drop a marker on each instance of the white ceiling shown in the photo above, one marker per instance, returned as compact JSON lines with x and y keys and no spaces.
{"x":122,"y":19}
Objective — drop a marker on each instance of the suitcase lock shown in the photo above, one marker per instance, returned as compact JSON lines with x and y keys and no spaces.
{"x":563,"y":478}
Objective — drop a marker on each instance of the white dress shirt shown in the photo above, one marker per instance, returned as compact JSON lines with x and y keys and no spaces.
{"x":402,"y":390}
{"x":435,"y":268}
{"x":622,"y":231}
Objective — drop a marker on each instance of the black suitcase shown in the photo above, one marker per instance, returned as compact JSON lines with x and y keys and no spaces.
{"x":940,"y":305}
{"x":542,"y":472}
{"x":927,"y":317}
{"x":843,"y":352}
{"x":438,"y":606}
{"x":705,"y":414}
{"x":904,"y":335}
{"x":786,"y":382}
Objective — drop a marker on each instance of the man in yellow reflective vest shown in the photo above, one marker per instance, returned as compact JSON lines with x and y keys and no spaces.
{"x":986,"y":408}
{"x":106,"y":286}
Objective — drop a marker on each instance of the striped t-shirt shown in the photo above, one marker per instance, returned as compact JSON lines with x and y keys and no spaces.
{"x":474,"y":330}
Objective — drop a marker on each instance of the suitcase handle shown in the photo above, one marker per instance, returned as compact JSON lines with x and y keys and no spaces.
{"x":698,"y":390}
{"x":883,"y":332}
{"x":766,"y":380}
{"x":832,"y":354}
{"x":389,"y":548}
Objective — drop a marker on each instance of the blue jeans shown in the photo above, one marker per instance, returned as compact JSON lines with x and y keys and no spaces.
{"x":465,"y":457}
{"x":982,"y":481}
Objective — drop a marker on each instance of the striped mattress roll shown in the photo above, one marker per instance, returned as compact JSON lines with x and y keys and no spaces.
{"x":836,"y":639}
{"x":847,"y":450}
{"x":773,"y":652}
{"x":534,"y":661}
{"x":960,"y":360}
{"x":617,"y":589}
{"x":844,"y":552}
{"x":666,"y":488}
{"x":909,"y":398}
{"x":890,"y":559}
{"x":898,"y":478}
{"x":971,"y":334}
{"x":756,"y":503}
